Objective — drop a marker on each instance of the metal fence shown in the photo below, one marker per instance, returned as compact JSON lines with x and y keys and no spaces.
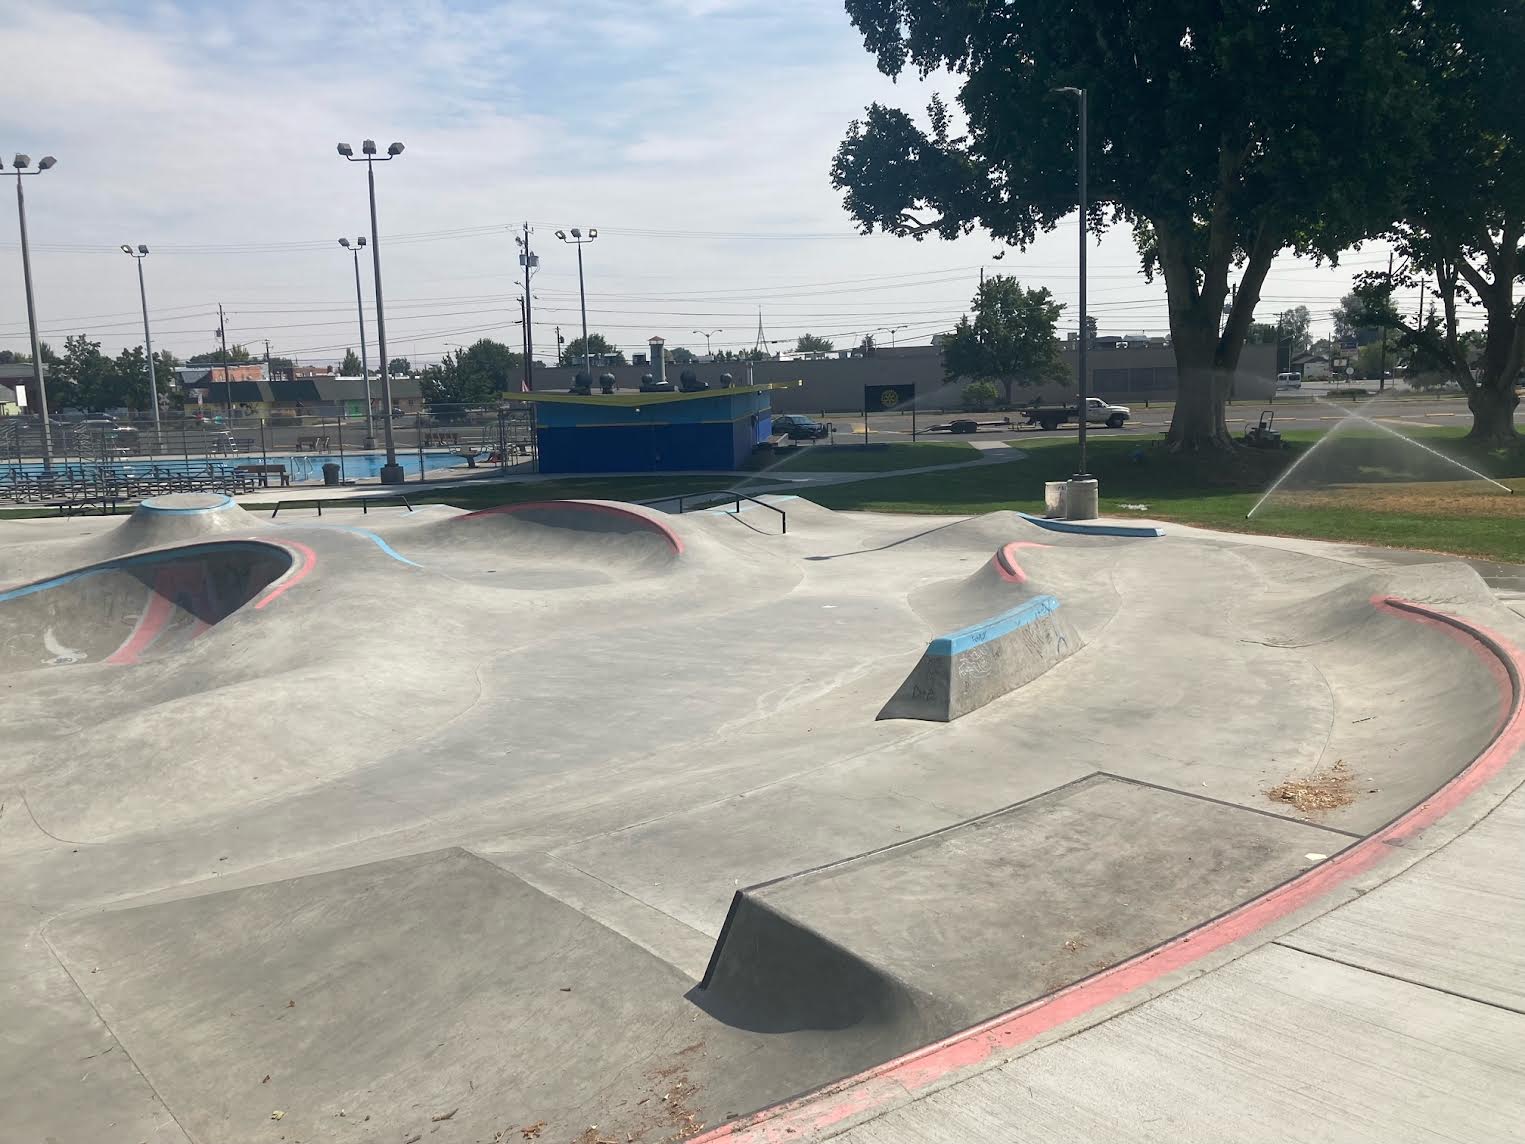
{"x":133,"y":457}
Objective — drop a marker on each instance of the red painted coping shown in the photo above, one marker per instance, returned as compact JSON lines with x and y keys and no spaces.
{"x":1005,"y":560}
{"x":289,"y":579}
{"x":608,"y":508}
{"x":914,"y":1072}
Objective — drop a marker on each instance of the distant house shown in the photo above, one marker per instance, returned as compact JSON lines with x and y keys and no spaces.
{"x":1312,"y":365}
{"x":9,"y":406}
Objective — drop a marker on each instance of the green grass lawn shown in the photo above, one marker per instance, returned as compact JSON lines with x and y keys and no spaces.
{"x":823,"y":458}
{"x":1362,"y":486}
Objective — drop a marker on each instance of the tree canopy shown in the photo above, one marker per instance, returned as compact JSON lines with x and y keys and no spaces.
{"x":399,"y":367}
{"x":598,"y":346}
{"x":85,"y":378}
{"x":1462,"y":227}
{"x":477,"y":375}
{"x":811,"y":344}
{"x":681,"y":355}
{"x":1209,"y":137}
{"x":1010,"y":340}
{"x":350,"y":366}
{"x":214,"y":357}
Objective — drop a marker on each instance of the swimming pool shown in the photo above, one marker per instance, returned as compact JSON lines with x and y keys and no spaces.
{"x":301,"y":466}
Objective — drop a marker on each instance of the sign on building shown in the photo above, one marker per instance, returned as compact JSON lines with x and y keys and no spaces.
{"x":883,"y":398}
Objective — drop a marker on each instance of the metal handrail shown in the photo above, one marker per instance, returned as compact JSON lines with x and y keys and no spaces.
{"x":724,"y":495}
{"x":365,"y":503}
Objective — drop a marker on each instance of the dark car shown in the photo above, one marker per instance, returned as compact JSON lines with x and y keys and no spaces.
{"x":798,"y":427}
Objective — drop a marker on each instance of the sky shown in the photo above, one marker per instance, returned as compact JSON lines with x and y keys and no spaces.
{"x":695,"y":135}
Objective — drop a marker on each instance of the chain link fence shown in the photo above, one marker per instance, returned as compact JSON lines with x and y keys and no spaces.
{"x":100,"y":457}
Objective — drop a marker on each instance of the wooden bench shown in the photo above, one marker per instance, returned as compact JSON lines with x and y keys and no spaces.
{"x":265,"y":472}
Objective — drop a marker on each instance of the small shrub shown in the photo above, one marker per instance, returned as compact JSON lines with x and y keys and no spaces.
{"x":981,"y":396}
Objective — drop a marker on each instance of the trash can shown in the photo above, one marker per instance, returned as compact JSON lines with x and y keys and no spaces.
{"x":331,"y":475}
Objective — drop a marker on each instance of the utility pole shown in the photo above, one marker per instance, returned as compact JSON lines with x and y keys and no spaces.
{"x":529,"y":260}
{"x":1422,"y":284}
{"x":227,"y":377}
{"x":559,"y":342}
{"x":269,"y":373}
{"x":1382,"y":353}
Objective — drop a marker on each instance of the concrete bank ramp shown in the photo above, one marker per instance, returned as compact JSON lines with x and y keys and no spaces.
{"x":932,"y":935}
{"x":571,"y":541}
{"x":135,"y":608}
{"x":178,"y":518}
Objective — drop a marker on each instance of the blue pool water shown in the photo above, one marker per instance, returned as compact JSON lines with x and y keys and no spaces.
{"x":301,"y":466}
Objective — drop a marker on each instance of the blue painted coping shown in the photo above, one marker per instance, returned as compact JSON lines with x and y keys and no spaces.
{"x":1093,"y":529}
{"x":1023,"y":614}
{"x":150,"y":506}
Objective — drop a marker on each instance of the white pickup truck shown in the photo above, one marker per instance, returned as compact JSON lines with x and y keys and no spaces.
{"x":1098,"y":412}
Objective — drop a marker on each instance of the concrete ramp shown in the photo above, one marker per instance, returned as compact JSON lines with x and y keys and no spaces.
{"x":932,"y":935}
{"x":133,"y":609}
{"x":178,"y":518}
{"x":965,"y":669}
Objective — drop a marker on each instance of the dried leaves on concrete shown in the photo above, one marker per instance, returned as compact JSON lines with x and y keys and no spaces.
{"x":1327,"y":788}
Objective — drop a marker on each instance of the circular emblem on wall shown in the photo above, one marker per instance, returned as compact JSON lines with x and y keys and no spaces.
{"x":889,"y":398}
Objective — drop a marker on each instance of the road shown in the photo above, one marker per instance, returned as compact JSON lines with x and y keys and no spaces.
{"x":1303,"y":410}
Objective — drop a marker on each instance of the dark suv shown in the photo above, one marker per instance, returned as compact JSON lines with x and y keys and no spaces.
{"x":798,"y":427}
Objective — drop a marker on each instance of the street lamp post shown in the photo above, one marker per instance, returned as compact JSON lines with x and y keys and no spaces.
{"x":365,"y":362}
{"x":1082,"y":486}
{"x":391,"y":472}
{"x":707,"y":335}
{"x":891,"y":330}
{"x":578,"y":239}
{"x":21,"y":163}
{"x":138,"y":256}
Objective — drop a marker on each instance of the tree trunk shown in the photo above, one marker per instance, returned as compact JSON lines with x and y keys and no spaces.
{"x":1201,"y":390}
{"x":1493,"y":402}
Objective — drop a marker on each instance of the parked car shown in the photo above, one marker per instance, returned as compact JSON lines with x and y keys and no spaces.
{"x":798,"y":427}
{"x":1289,"y":381}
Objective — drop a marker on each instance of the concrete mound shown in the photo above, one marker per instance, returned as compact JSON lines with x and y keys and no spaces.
{"x":965,"y":669}
{"x":177,"y":519}
{"x":135,"y":608}
{"x":573,"y":541}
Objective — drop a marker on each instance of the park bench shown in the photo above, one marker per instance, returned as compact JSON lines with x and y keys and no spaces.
{"x":265,"y":472}
{"x":313,"y":444}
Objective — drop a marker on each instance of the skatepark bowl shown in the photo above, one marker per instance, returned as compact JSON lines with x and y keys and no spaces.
{"x":579,"y":821}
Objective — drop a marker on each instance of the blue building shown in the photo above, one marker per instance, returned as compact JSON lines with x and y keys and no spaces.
{"x":627,"y":432}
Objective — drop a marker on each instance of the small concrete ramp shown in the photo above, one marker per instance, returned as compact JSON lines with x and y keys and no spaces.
{"x":134,"y":608}
{"x":929,"y":936}
{"x":178,"y":518}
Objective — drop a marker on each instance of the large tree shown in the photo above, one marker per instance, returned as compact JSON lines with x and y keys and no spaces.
{"x":1210,"y":130}
{"x":1010,"y":340}
{"x":477,"y":375}
{"x":598,"y":346}
{"x":236,"y":353}
{"x":1463,"y":229}
{"x":350,"y":366}
{"x":812,"y":344}
{"x":400,"y":367}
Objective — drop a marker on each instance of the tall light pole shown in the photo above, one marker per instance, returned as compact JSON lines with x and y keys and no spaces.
{"x":138,"y":256}
{"x":707,"y":335}
{"x":365,"y":363}
{"x":1085,"y":382}
{"x":891,"y":331}
{"x":578,"y":239}
{"x":227,"y":374}
{"x":391,"y":472}
{"x":21,"y":163}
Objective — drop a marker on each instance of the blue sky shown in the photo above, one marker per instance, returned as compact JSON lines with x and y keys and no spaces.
{"x":695,"y":134}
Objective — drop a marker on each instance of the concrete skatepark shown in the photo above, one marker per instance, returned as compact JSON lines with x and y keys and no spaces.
{"x":583,"y":821}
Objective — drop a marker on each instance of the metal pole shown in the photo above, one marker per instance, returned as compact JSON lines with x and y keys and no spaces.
{"x":148,"y":346}
{"x":582,"y":294}
{"x":529,"y":336}
{"x":365,"y":364}
{"x":391,"y":472}
{"x":1382,"y":353}
{"x":31,"y":317}
{"x":1085,"y":386}
{"x":227,"y":374}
